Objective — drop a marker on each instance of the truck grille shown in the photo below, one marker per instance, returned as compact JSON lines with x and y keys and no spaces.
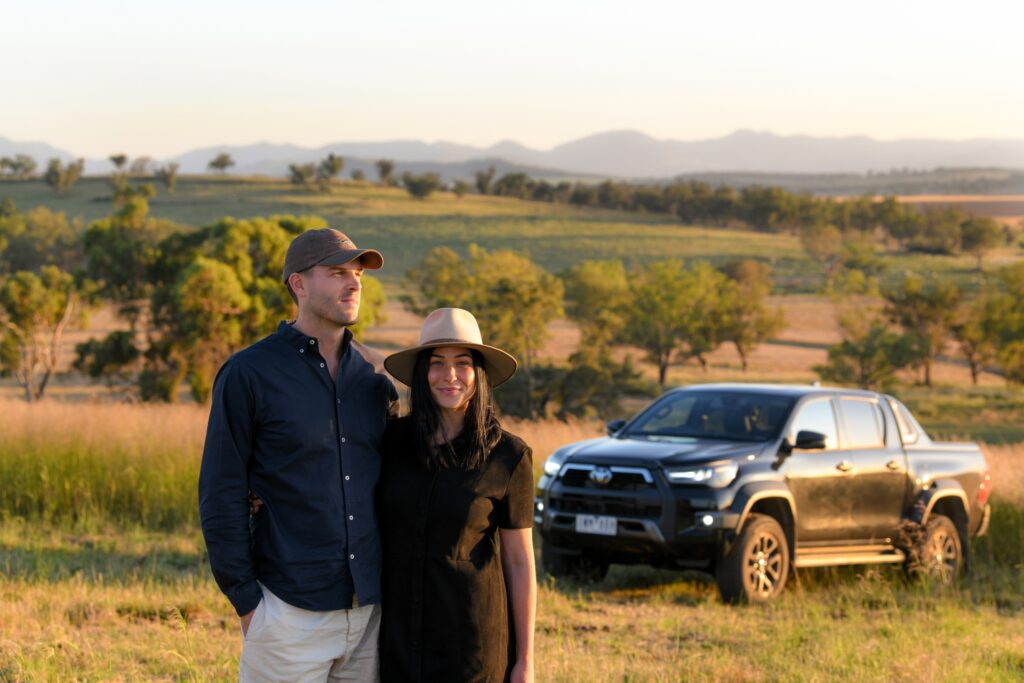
{"x":622,"y":478}
{"x":618,"y":507}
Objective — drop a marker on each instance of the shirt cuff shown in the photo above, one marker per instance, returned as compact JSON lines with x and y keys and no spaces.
{"x":246,"y":597}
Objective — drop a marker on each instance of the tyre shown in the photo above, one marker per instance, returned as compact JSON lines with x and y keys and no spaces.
{"x":757,"y":565}
{"x":578,"y":567}
{"x":940,"y":555}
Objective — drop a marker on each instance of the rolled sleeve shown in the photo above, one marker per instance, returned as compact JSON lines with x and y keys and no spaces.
{"x":224,"y":487}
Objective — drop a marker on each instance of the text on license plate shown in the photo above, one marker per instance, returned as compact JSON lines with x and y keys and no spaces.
{"x":596,"y":524}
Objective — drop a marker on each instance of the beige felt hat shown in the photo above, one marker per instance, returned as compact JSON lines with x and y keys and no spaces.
{"x":452,"y":327}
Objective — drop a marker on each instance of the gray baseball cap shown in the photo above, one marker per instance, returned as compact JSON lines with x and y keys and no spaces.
{"x":326,"y":247}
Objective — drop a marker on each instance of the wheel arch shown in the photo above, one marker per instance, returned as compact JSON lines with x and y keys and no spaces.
{"x":773,"y":500}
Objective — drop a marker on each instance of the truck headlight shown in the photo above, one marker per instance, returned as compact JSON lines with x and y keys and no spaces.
{"x":715,"y":476}
{"x":554,"y":463}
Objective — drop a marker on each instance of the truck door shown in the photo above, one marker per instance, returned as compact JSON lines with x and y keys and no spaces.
{"x":880,"y":473}
{"x":818,"y":479}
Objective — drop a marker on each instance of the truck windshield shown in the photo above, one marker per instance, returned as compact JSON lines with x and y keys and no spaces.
{"x":734,"y":416}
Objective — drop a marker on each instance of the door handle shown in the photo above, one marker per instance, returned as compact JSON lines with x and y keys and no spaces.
{"x":894,"y":465}
{"x":844,"y":466}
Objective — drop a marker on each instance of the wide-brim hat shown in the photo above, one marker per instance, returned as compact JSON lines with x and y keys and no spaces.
{"x":452,"y":327}
{"x":326,"y":247}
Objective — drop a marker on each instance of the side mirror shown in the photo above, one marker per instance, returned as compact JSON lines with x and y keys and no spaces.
{"x":808,"y":440}
{"x":614,"y":426}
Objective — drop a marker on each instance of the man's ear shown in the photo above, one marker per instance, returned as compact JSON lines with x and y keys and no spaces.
{"x":298,"y":285}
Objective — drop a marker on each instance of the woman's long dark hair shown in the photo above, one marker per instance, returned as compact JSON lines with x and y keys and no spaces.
{"x":480,"y":432}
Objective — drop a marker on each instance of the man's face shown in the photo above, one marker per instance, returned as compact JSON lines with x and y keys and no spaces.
{"x":331,"y":293}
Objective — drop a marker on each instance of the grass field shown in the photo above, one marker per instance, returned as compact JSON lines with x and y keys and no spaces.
{"x":554,"y":235}
{"x":102,"y":569}
{"x":103,"y":578}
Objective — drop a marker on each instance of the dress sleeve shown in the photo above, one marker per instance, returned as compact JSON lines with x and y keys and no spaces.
{"x":515,"y":510}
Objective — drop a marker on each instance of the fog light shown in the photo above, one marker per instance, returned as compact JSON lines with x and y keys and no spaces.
{"x":707,"y":520}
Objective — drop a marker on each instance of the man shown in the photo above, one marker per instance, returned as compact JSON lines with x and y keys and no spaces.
{"x":297,"y":419}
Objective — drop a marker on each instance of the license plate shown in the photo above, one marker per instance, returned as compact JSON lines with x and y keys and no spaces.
{"x":596,"y":524}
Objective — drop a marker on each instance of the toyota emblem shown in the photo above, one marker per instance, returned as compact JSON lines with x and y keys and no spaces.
{"x":600,"y":475}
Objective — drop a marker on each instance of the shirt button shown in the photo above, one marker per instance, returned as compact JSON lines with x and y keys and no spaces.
{"x":351,"y":517}
{"x":351,"y":557}
{"x":312,"y":341}
{"x":321,"y":365}
{"x":302,"y":350}
{"x":347,"y":477}
{"x":343,"y":439}
{"x":339,"y":401}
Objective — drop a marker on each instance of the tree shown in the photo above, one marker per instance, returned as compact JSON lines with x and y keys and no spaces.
{"x":975,"y":329}
{"x":329,"y":169}
{"x":745,"y":319}
{"x":20,"y":167}
{"x":420,"y":186}
{"x":62,"y":178}
{"x":119,"y":161}
{"x":927,"y":310}
{"x":867,"y":356}
{"x":483,"y":180}
{"x":513,"y":185}
{"x":358,"y":175}
{"x":460,"y":188}
{"x":35,"y":311}
{"x":168,"y":175}
{"x":39,"y":237}
{"x":674,"y":314}
{"x":978,"y":236}
{"x":596,"y":295}
{"x":824,"y":245}
{"x":141,"y":166}
{"x":301,"y":174}
{"x":221,"y":163}
{"x":385,"y":167}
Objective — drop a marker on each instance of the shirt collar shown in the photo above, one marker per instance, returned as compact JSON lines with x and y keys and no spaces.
{"x":287,"y":331}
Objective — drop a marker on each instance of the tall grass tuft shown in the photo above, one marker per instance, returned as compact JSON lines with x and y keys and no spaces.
{"x":80,"y":466}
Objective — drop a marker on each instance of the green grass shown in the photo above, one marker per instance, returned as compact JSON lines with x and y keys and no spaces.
{"x":993,"y":414}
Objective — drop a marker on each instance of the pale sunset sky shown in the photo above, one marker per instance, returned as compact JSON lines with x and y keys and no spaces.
{"x":161,"y":78}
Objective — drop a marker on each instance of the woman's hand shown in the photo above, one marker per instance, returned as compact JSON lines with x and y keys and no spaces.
{"x":254,"y":503}
{"x":522,"y":672}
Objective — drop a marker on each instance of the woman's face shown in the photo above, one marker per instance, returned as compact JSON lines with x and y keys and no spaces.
{"x":451,"y":377}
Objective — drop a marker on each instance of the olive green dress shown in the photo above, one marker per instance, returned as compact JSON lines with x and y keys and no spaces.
{"x":446,"y":615}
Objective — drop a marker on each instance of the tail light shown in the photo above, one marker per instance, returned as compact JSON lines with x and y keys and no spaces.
{"x":985,"y":488}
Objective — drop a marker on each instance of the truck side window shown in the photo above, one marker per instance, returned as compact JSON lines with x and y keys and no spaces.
{"x":863,"y":422}
{"x":906,"y":426}
{"x":816,"y":416}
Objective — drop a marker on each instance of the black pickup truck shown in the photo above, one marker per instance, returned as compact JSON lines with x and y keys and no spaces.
{"x":750,"y":481}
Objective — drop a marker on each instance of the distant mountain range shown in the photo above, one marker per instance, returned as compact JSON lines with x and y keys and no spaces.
{"x":617,"y":154}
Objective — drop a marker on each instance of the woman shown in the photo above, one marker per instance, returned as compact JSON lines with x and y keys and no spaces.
{"x":456,"y":511}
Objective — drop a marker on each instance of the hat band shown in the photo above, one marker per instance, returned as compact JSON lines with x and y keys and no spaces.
{"x":450,"y":341}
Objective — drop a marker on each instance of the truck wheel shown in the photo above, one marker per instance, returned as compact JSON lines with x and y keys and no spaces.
{"x":579,"y":567}
{"x":940,"y":555}
{"x":756,"y":567}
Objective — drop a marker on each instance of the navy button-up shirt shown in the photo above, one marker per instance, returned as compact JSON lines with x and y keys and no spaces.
{"x":308,"y":447}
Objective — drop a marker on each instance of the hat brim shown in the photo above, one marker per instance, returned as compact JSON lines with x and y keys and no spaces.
{"x":370,"y":259}
{"x":500,"y":365}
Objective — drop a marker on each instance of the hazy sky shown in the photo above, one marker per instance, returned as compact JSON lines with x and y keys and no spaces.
{"x":160,"y":78}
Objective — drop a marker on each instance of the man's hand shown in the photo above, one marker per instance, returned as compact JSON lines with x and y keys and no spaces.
{"x":246,"y":620}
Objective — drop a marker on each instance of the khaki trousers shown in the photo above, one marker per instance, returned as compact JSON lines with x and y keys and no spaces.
{"x":287,"y":643}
